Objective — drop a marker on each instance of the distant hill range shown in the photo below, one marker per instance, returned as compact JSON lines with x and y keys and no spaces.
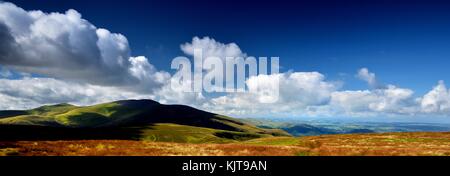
{"x":297,"y":127}
{"x":127,"y":119}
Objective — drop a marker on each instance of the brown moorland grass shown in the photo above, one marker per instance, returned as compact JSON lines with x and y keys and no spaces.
{"x":385,"y":144}
{"x":142,"y":148}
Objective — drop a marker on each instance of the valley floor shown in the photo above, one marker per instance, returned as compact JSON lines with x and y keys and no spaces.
{"x":386,"y":144}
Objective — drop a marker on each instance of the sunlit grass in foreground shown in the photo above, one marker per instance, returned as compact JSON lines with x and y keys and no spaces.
{"x":387,"y":144}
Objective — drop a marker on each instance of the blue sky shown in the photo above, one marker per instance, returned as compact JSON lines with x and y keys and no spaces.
{"x":398,"y":40}
{"x":401,"y":45}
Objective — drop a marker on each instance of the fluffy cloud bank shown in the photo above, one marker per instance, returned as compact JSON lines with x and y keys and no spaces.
{"x":310,"y":94}
{"x":66,"y":46}
{"x":391,"y":100}
{"x":33,"y":92}
{"x":298,"y":91}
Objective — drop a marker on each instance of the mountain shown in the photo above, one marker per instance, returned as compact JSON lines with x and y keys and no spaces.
{"x":127,"y":119}
{"x":355,"y":131}
{"x":293,"y":128}
{"x":307,"y":130}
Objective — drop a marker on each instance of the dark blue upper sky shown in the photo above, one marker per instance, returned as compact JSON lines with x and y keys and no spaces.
{"x":406,"y":43}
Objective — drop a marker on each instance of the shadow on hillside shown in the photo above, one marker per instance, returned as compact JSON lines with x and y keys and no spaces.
{"x":10,"y":113}
{"x":23,"y":132}
{"x":183,"y":115}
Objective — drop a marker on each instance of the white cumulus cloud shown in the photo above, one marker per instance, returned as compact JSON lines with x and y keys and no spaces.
{"x":298,"y":92}
{"x":66,"y":46}
{"x":212,"y":48}
{"x":437,"y":100}
{"x":370,"y":78}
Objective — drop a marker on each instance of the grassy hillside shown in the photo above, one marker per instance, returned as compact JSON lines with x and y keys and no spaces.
{"x":189,"y":134}
{"x":130,"y":119}
{"x":66,"y":115}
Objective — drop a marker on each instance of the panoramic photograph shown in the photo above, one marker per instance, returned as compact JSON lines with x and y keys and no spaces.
{"x":224,"y":78}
